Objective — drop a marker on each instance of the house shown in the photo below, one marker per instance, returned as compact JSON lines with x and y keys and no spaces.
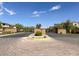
{"x":75,"y":24}
{"x":61,"y":28}
{"x":7,"y":28}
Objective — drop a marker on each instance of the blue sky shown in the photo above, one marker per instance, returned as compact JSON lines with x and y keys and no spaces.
{"x":32,"y":13}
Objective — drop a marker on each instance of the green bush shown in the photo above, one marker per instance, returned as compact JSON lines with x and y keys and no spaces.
{"x":38,"y":33}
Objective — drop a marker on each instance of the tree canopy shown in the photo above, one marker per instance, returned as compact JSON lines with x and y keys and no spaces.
{"x":19,"y":26}
{"x":38,"y":26}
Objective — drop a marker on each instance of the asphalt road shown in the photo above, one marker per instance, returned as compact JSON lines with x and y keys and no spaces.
{"x":68,"y":38}
{"x":18,"y":35}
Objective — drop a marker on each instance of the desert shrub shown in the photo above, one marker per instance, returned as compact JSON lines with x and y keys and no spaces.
{"x":38,"y":33}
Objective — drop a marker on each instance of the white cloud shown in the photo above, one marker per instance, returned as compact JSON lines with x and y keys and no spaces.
{"x":3,"y":8}
{"x":9,"y":11}
{"x":35,"y":12}
{"x":37,"y":15}
{"x":42,"y":12}
{"x":1,"y":13}
{"x":39,"y":12}
{"x":55,"y":7}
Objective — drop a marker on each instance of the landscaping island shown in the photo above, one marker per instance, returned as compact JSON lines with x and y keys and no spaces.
{"x":39,"y":34}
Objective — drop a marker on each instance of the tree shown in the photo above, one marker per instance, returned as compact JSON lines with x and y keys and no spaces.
{"x":60,"y":25}
{"x":38,"y":26}
{"x":19,"y":26}
{"x":73,"y":27}
{"x":0,"y":24}
{"x":29,"y":29}
{"x":50,"y":29}
{"x":68,"y":25}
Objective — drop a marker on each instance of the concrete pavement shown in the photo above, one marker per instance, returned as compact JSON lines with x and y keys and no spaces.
{"x":59,"y":46}
{"x":16,"y":35}
{"x":24,"y":47}
{"x":68,"y":38}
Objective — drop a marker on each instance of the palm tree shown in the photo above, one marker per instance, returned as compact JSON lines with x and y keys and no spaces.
{"x":38,"y":26}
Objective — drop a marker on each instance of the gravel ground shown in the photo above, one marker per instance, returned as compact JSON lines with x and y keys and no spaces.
{"x":24,"y":47}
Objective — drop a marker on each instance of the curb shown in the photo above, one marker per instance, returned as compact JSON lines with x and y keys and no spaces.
{"x":10,"y":34}
{"x":31,"y":35}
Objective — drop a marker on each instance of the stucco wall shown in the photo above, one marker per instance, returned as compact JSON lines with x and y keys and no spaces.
{"x":61,"y":31}
{"x":41,"y":30}
{"x":1,"y":30}
{"x":10,"y":30}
